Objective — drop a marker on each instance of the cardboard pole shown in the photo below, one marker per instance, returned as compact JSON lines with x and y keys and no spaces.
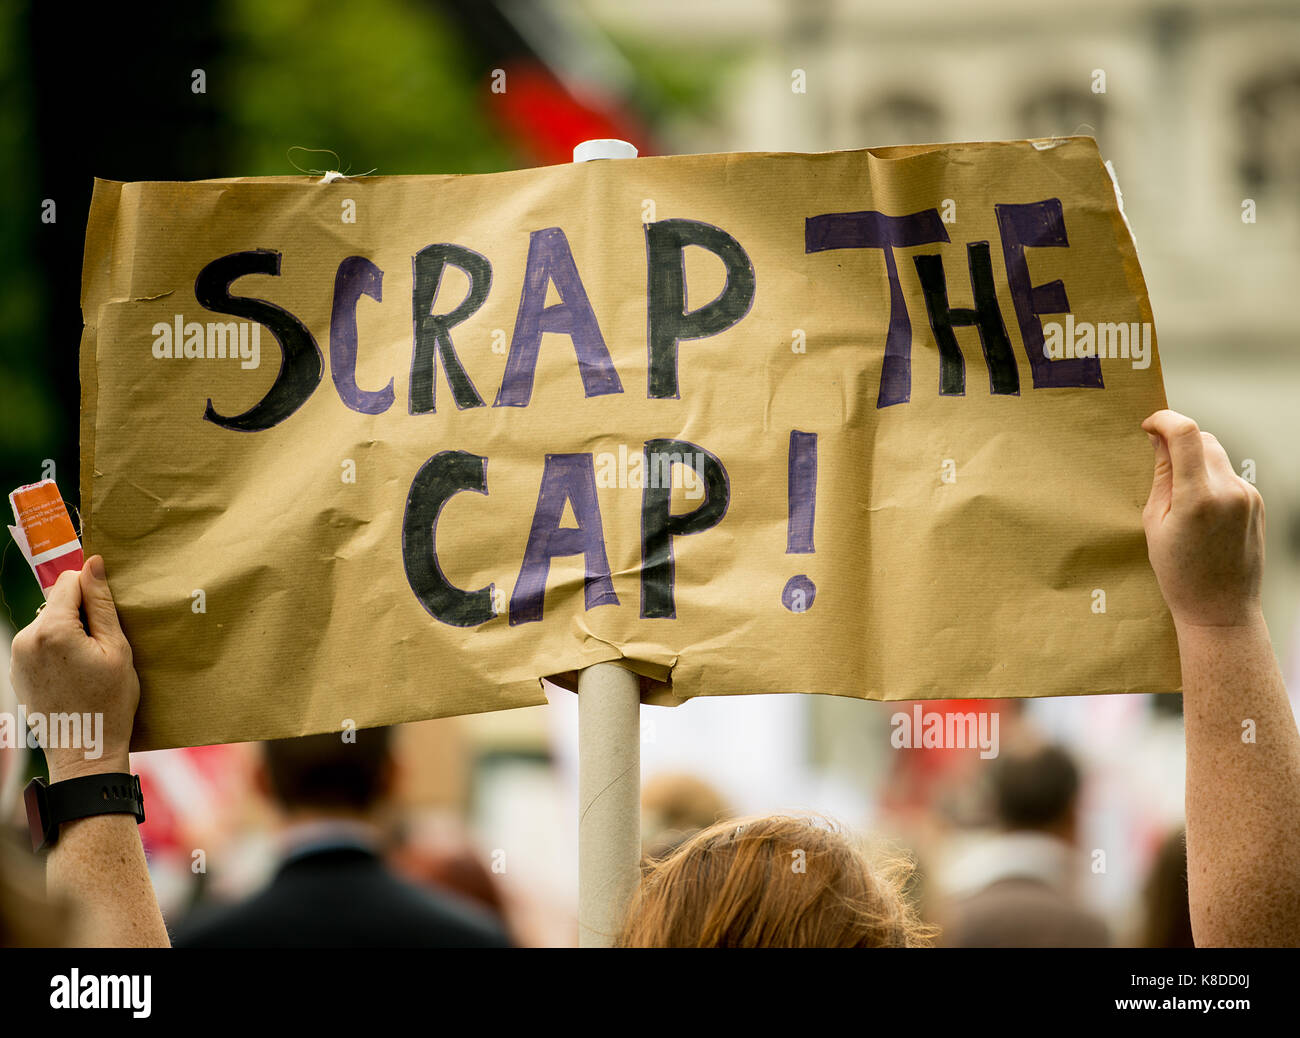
{"x":609,"y":759}
{"x":609,"y":800}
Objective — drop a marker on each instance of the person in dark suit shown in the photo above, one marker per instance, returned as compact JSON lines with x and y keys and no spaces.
{"x":332,"y":888}
{"x":1020,"y":885}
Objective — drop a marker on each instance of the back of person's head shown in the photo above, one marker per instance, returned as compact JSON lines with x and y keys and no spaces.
{"x":1035,"y":789}
{"x":773,"y":882}
{"x":325,"y":773}
{"x":675,"y":806}
{"x":1167,"y":915}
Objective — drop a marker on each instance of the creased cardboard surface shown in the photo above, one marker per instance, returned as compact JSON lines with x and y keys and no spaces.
{"x":958,"y":540}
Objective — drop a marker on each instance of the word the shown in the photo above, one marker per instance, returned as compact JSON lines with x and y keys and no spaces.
{"x":1022,"y":226}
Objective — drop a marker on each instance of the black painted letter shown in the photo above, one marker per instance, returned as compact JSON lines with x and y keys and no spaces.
{"x":669,"y":321}
{"x":1004,"y":376}
{"x":433,"y":331}
{"x":440,"y":478}
{"x":659,"y":526}
{"x":301,"y":363}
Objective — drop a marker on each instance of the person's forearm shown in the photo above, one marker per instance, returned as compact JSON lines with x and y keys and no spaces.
{"x":74,"y":656}
{"x":98,"y":866}
{"x":1243,"y":789}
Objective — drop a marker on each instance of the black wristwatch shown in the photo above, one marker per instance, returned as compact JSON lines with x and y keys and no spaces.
{"x":49,"y":806}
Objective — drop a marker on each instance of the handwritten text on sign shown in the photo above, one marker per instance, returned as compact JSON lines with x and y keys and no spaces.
{"x":570,"y":479}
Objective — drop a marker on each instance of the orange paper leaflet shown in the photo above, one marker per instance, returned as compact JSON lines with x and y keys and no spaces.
{"x":44,"y":533}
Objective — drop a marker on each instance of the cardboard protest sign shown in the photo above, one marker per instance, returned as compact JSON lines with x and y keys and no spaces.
{"x":862,"y":423}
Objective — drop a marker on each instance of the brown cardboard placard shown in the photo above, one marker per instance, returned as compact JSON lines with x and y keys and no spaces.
{"x":900,"y":494}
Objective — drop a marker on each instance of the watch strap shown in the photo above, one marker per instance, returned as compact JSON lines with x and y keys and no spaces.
{"x":83,"y":797}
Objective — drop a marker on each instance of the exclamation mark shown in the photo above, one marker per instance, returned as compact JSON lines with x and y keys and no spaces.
{"x":799,"y":591}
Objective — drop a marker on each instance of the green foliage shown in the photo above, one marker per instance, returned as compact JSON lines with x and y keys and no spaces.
{"x":384,"y":84}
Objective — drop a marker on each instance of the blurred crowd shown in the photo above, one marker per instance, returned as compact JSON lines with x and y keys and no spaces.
{"x":323,"y":840}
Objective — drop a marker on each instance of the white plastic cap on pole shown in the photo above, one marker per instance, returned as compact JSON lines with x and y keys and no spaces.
{"x":609,"y":758}
{"x":604,"y":148}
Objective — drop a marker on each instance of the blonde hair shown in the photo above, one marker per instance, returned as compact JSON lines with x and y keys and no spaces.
{"x":775,"y":882}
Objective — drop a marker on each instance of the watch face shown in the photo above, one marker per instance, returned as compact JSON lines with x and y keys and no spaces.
{"x":34,"y":797}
